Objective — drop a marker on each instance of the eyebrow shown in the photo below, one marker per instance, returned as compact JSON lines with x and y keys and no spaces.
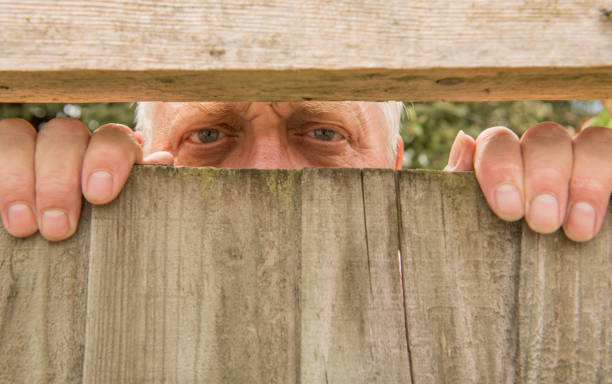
{"x":321,"y":108}
{"x":313,"y":108}
{"x":216,"y":109}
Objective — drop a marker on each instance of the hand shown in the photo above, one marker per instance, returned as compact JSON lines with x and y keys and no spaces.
{"x":549,"y":177}
{"x":44,"y":174}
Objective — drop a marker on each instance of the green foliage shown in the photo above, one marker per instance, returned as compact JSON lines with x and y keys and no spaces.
{"x":603,"y":119}
{"x":429,"y":129}
{"x":92,"y":114}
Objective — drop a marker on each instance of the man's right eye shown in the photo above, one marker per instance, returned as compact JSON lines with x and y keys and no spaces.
{"x":205,"y":136}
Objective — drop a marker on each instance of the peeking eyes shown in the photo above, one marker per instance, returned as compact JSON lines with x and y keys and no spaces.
{"x":210,"y":135}
{"x":324,"y":134}
{"x":205,"y":136}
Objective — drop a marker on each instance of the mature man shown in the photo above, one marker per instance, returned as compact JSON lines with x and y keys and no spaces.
{"x":547,"y":176}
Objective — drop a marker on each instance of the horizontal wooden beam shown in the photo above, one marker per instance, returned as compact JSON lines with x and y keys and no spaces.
{"x":264,"y":276}
{"x":75,"y":50}
{"x":459,"y":84}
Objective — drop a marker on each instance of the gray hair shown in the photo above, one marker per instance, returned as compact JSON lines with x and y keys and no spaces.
{"x":391,"y":112}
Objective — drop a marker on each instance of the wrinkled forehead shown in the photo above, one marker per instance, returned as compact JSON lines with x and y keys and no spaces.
{"x":366,"y":112}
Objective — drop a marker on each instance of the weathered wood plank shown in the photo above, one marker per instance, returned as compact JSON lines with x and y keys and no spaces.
{"x":461,"y":84}
{"x":459,"y":267}
{"x":193,"y":279}
{"x":352,"y":322}
{"x":565,"y":308}
{"x":117,"y":50}
{"x":285,"y":276}
{"x":141,"y":328}
{"x":42,"y":307}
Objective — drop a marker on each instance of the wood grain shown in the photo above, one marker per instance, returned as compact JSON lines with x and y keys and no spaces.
{"x":116,"y":50}
{"x":199,"y":287}
{"x":242,"y":276}
{"x":565,"y":308}
{"x":459,"y":267}
{"x":352,"y":323}
{"x":43,"y":292}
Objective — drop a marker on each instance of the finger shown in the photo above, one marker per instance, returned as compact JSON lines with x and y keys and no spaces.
{"x":461,"y":156}
{"x":113,"y":150}
{"x":547,"y":160}
{"x":139,"y":137}
{"x":17,"y":197}
{"x":591,"y":183}
{"x":60,"y":146}
{"x":161,"y":157}
{"x":499,"y":169}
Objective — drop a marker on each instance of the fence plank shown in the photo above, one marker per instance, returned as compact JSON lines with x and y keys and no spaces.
{"x":459,"y":266}
{"x":352,"y":323}
{"x":42,"y":307}
{"x":197,"y":287}
{"x":565,"y":309}
{"x":285,"y":276}
{"x":118,"y":50}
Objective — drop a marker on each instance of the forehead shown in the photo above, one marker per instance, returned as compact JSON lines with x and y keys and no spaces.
{"x":363,"y":111}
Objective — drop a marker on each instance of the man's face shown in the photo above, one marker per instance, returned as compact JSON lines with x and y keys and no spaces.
{"x":275,"y":135}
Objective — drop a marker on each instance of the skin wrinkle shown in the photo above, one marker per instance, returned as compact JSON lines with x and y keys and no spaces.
{"x":147,"y":115}
{"x":215,"y":109}
{"x":273,"y":133}
{"x":341,"y":112}
{"x":356,"y":109}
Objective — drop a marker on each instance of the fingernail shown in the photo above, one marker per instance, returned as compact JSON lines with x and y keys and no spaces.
{"x":54,"y":223}
{"x":99,"y":186}
{"x":508,"y":202}
{"x":21,"y":220}
{"x":543,"y":215}
{"x":582,"y":221}
{"x":456,"y":151}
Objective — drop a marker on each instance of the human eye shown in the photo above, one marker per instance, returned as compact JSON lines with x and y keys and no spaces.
{"x":206,"y":135}
{"x":324,"y":134}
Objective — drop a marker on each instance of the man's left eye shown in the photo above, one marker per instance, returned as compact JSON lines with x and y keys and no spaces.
{"x":324,"y":134}
{"x":205,"y":136}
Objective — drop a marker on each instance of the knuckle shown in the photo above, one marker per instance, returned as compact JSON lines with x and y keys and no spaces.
{"x":15,"y":179}
{"x":552,"y":177}
{"x":595,"y":135}
{"x":114,"y":128}
{"x":496,"y":134}
{"x":115,"y":133}
{"x":588,"y":186}
{"x":14,"y":126}
{"x":102,"y":154}
{"x":64,"y":126}
{"x":116,"y":139}
{"x":57,"y":188}
{"x":497,"y":145}
{"x":592,"y":148}
{"x":546,"y":131}
{"x":500,"y":170}
{"x":18,"y":187}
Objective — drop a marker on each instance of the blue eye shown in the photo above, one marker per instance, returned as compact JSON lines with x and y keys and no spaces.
{"x":324,"y":134}
{"x":208,"y":135}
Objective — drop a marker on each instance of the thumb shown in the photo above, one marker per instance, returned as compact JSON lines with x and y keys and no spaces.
{"x":461,"y":156}
{"x":161,"y":157}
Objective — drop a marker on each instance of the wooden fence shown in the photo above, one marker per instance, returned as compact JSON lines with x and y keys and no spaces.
{"x":247,"y":276}
{"x":264,"y":50}
{"x":289,"y":276}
